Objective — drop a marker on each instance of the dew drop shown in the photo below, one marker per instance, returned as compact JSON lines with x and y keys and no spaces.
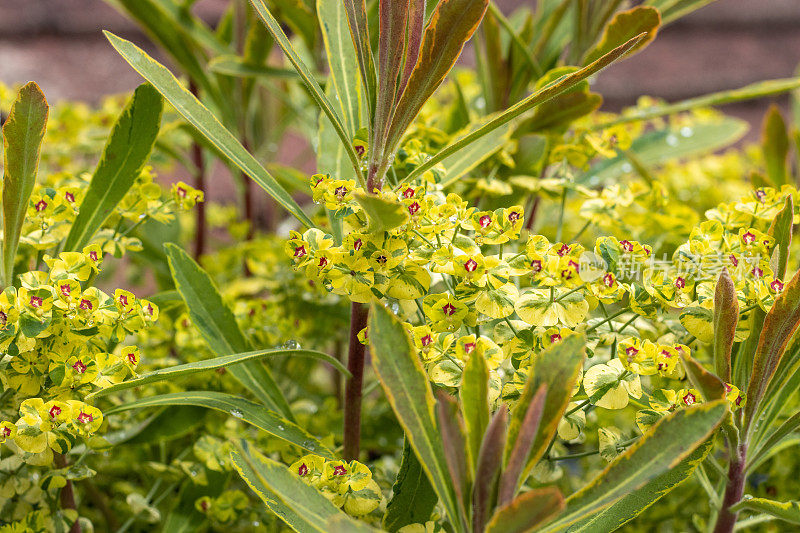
{"x":626,"y":167}
{"x":686,"y":131}
{"x":291,"y":344}
{"x":237,"y":413}
{"x":672,"y":140}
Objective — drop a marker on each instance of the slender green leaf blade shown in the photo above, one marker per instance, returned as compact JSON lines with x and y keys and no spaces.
{"x":781,"y":229}
{"x":216,"y":323}
{"x":205,"y":365}
{"x":459,"y":164}
{"x":775,"y":144}
{"x":359,"y":33}
{"x":127,"y":150}
{"x":413,"y":497}
{"x":632,"y":504}
{"x":409,"y":393}
{"x":490,"y":464}
{"x":726,"y":317}
{"x":308,"y":79}
{"x":205,"y":122}
{"x":659,"y":450}
{"x":241,"y":408}
{"x":23,"y":132}
{"x":780,"y":324}
{"x":475,"y":403}
{"x":558,"y":367}
{"x":786,"y":511}
{"x":239,"y":67}
{"x":547,"y":92}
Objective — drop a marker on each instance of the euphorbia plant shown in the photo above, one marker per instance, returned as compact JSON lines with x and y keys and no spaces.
{"x":488,"y":310}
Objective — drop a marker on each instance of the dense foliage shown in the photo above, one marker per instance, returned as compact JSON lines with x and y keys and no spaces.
{"x":490,"y":294}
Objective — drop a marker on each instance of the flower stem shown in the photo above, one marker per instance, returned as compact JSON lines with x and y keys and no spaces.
{"x":67,"y":496}
{"x":199,"y":184}
{"x":353,"y":392}
{"x":726,"y":520}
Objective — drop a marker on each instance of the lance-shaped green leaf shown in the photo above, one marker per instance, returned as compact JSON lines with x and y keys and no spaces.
{"x":308,"y":79}
{"x":23,"y":132}
{"x":547,"y":92}
{"x":408,"y":390}
{"x":753,"y":91}
{"x":527,"y":511}
{"x":217,"y":325}
{"x":413,"y":498}
{"x":487,"y":473}
{"x":709,"y":385}
{"x":624,"y":26}
{"x":239,"y":67}
{"x":342,"y":63}
{"x":558,"y":367}
{"x":521,"y":448}
{"x":632,"y":504}
{"x":775,"y":144}
{"x":383,"y":214}
{"x":127,"y":150}
{"x":459,"y":164}
{"x":786,"y":511}
{"x":761,"y":449}
{"x":451,"y":25}
{"x":241,"y":408}
{"x":662,"y":145}
{"x":726,"y":317}
{"x":300,"y":505}
{"x":359,"y":33}
{"x":659,"y":450}
{"x":205,"y":365}
{"x":475,"y":403}
{"x":781,"y":229}
{"x":780,"y":324}
{"x":204,"y":121}
{"x":451,"y":429}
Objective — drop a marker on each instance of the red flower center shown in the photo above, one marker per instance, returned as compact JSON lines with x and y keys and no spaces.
{"x":322,"y":262}
{"x":689,"y":399}
{"x":733,"y":260}
{"x":426,"y":340}
{"x":631,"y":352}
{"x":382,"y":259}
{"x":86,"y":305}
{"x":65,"y":289}
{"x":93,"y":256}
{"x":608,"y":280}
{"x":413,"y":208}
{"x":132,"y":358}
{"x":757,"y":272}
{"x":41,"y":205}
{"x":55,"y":411}
{"x":79,"y":367}
{"x":69,"y":196}
{"x":300,"y":251}
{"x":340,"y":191}
{"x":123,"y":300}
{"x":6,"y":431}
{"x":777,"y":285}
{"x":564,"y":250}
{"x":555,"y":337}
{"x":469,"y":347}
{"x":449,"y":309}
{"x":680,"y":282}
{"x":357,"y":244}
{"x":303,"y":470}
{"x":748,"y":238}
{"x":485,"y":221}
{"x":181,"y":192}
{"x":149,"y":309}
{"x":85,"y":418}
{"x":3,"y":318}
{"x":470,"y":265}
{"x":513,"y":216}
{"x":339,"y":470}
{"x":536,"y":265}
{"x":627,"y":245}
{"x":36,"y":301}
{"x":761,"y":195}
{"x":408,"y":193}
